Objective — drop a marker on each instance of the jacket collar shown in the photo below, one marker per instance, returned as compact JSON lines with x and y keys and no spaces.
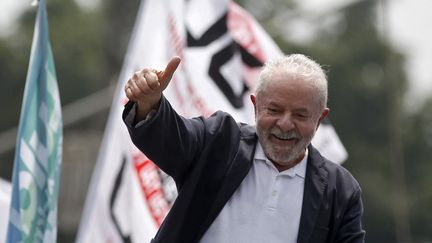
{"x":237,"y":171}
{"x":315,"y":185}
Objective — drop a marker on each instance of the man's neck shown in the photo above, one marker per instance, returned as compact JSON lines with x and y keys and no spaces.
{"x":285,"y":166}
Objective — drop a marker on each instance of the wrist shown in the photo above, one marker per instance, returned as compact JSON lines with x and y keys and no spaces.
{"x":143,"y":108}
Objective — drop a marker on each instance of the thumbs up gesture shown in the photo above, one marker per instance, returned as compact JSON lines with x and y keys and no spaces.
{"x":145,"y":87}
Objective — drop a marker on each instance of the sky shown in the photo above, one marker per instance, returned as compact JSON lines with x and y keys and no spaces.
{"x":412,"y":33}
{"x":409,"y":22}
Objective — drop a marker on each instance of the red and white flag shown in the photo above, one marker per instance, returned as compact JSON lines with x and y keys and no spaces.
{"x":222,"y":49}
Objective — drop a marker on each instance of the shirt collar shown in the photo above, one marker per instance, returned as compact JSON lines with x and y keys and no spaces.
{"x":299,"y":169}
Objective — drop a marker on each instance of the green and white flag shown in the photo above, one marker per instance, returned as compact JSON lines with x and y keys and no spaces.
{"x":36,"y":173}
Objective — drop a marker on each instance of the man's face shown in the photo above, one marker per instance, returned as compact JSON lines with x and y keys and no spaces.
{"x":287,"y":113}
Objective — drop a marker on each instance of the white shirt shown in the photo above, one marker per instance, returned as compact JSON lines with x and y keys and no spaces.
{"x":266,"y":207}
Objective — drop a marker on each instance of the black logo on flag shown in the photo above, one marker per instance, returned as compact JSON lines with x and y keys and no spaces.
{"x":222,"y":57}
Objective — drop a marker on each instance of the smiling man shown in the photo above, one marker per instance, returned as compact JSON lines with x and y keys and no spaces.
{"x":290,"y":103}
{"x":238,"y":183}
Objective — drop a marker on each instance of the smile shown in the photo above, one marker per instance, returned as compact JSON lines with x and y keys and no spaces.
{"x":284,"y":138}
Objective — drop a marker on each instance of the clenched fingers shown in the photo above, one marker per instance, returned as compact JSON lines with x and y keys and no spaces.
{"x":142,"y":83}
{"x":152,"y":80}
{"x":148,"y":84}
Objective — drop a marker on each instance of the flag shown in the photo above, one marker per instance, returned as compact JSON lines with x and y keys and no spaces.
{"x":36,"y":172}
{"x":222,"y":49}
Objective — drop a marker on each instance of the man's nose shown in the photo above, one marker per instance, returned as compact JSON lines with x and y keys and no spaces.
{"x":285,"y":122}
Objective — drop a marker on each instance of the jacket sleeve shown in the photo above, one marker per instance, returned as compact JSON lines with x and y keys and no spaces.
{"x":351,"y":230}
{"x":168,"y":139}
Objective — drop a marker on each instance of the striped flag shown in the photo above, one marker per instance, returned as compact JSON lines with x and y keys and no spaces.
{"x":222,"y":49}
{"x":36,"y":172}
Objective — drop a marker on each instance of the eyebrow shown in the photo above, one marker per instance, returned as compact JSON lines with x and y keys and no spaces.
{"x":302,"y":110}
{"x":270,"y":104}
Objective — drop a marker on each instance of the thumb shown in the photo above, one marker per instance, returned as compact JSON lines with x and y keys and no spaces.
{"x":165,"y":76}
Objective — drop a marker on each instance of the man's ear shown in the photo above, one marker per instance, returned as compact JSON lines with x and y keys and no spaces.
{"x":253,"y":99}
{"x":324,"y":114}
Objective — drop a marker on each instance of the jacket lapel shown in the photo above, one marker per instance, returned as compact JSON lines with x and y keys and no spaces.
{"x":237,"y":171}
{"x":315,"y":185}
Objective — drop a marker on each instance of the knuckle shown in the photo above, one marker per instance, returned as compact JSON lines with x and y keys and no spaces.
{"x":137,"y":75}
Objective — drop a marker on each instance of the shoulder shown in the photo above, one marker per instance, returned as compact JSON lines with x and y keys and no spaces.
{"x":219,"y":121}
{"x":338,"y":177}
{"x":342,"y":185}
{"x":247,"y":131}
{"x":219,"y":128}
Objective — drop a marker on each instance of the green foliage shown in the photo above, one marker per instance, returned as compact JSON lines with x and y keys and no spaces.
{"x":12,"y":78}
{"x":418,"y":137}
{"x":360,"y":110}
{"x":88,"y":48}
{"x":367,"y":83}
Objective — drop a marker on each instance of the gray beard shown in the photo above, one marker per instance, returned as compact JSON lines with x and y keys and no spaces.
{"x":281,"y":154}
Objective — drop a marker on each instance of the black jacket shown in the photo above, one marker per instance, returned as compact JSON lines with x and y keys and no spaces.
{"x":209,"y":157}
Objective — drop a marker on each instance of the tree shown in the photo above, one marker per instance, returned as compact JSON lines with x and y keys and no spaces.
{"x":367,"y":85}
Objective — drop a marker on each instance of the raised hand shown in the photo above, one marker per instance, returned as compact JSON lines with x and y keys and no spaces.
{"x":145,"y":87}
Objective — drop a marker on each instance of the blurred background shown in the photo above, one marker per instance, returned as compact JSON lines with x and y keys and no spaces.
{"x":378,"y":54}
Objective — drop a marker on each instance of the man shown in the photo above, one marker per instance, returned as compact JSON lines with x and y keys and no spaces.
{"x":238,"y":183}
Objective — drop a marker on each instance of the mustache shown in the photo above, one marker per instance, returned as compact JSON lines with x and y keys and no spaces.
{"x":284,"y":135}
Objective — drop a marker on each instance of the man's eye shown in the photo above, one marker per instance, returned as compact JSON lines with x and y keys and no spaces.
{"x":272,"y":110}
{"x":303,"y":116}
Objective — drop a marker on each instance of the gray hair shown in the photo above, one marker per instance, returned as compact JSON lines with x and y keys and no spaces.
{"x":297,"y":66}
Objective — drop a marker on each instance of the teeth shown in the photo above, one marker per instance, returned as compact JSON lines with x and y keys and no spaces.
{"x":286,"y":137}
